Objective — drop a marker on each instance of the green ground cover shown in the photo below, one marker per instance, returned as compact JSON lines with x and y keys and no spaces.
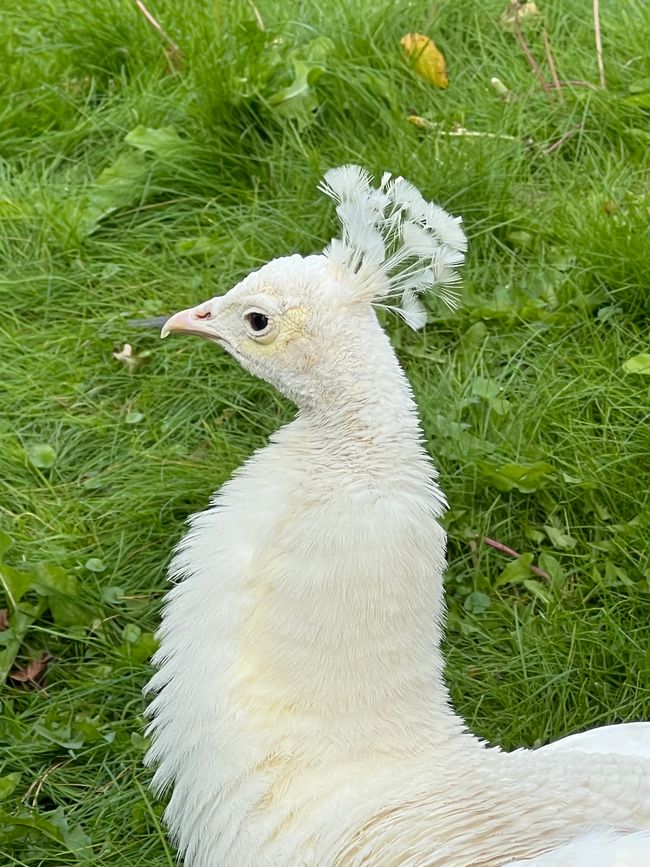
{"x":137,"y":179}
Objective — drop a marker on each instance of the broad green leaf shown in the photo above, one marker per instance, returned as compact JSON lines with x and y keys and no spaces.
{"x":117,"y":186}
{"x":449,"y":427}
{"x":559,"y":539}
{"x":525,"y":478}
{"x":317,"y":50}
{"x":6,"y":542}
{"x":63,"y":736}
{"x":161,"y":141}
{"x":75,"y":838}
{"x":89,"y":731}
{"x":473,"y":338}
{"x":27,"y":821}
{"x":80,"y":844}
{"x":298,"y":101}
{"x":500,"y":405}
{"x":15,"y":582}
{"x":113,"y":594}
{"x":640,"y":86}
{"x":41,"y":455}
{"x":486,"y":388}
{"x":141,"y":648}
{"x":51,"y":578}
{"x":199,"y":246}
{"x":638,"y":364}
{"x":131,"y":633}
{"x":94,"y":564}
{"x":477,"y":602}
{"x":520,"y":238}
{"x":534,"y":535}
{"x":615,"y":574}
{"x":305,"y":74}
{"x":66,"y":611}
{"x":582,"y":483}
{"x":92,"y":482}
{"x":642,"y":100}
{"x":549,"y":564}
{"x":516,"y":571}
{"x":537,"y":589}
{"x":133,"y":417}
{"x":140,"y":743}
{"x":8,"y":785}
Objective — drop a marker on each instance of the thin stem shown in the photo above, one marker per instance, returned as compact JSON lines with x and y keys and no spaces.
{"x":7,"y":590}
{"x":529,"y":55}
{"x":558,"y":144}
{"x":258,"y":15}
{"x":551,"y":64}
{"x":457,"y":131}
{"x":512,"y":553}
{"x":599,"y":45}
{"x":175,"y":51}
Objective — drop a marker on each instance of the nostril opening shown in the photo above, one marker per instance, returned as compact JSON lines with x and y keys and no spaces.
{"x":206,"y":315}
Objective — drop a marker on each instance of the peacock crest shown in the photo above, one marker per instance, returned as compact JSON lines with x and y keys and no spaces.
{"x":394,"y":245}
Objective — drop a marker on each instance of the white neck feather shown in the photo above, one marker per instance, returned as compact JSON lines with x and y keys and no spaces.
{"x":301,"y":696}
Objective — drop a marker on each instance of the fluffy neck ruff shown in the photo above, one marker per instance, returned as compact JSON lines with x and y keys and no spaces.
{"x":301,"y":714}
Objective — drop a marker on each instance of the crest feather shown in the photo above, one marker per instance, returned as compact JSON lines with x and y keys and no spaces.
{"x":394,"y":245}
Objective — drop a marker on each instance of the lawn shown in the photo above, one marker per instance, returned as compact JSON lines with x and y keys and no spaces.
{"x":144,"y":171}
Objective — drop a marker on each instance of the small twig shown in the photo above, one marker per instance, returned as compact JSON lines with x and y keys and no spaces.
{"x":512,"y":553}
{"x":558,"y":144}
{"x":473,"y":133}
{"x":529,"y":55}
{"x":175,"y":53}
{"x":599,"y":45}
{"x":551,"y":64}
{"x":155,"y":23}
{"x":39,"y":782}
{"x":457,"y":131}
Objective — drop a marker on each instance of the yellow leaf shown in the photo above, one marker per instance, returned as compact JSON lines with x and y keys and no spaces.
{"x":428,"y":61}
{"x":418,"y":121}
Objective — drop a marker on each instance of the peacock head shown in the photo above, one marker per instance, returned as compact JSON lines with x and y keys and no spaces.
{"x":297,"y":319}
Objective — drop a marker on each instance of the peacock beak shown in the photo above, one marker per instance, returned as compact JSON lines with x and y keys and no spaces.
{"x":197,"y":320}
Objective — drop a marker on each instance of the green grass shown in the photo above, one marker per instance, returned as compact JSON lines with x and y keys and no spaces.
{"x":104,"y":217}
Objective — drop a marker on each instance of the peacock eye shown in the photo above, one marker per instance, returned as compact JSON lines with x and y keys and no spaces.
{"x":257,"y":321}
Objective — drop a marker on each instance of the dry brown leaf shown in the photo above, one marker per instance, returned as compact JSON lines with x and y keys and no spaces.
{"x":420,"y":122}
{"x":515,"y":13}
{"x":128,"y":357}
{"x":428,"y":61}
{"x":4,"y":619}
{"x":33,"y":670}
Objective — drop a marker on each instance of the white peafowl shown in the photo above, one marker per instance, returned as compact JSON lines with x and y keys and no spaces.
{"x":301,"y":714}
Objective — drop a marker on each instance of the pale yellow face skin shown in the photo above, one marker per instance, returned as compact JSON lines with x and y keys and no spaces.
{"x":284,"y":328}
{"x":281,"y":323}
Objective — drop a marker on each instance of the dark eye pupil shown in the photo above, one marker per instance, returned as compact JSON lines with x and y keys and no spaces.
{"x":257,"y":321}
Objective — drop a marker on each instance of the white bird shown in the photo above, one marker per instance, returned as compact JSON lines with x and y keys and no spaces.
{"x":301,"y":714}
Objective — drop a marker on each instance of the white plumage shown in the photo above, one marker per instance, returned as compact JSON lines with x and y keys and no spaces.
{"x":301,"y":714}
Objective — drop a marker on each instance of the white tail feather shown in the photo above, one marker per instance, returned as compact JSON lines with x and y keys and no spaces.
{"x":394,"y":245}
